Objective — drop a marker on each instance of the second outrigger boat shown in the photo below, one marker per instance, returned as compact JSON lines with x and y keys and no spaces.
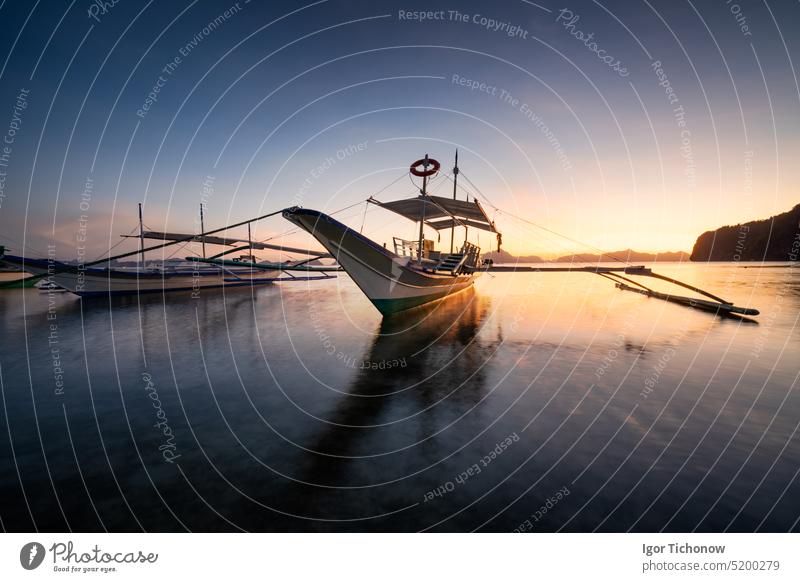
{"x":102,"y":278}
{"x":414,"y":273}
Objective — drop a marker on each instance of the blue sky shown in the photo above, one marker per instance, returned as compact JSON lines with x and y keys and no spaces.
{"x":257,"y":102}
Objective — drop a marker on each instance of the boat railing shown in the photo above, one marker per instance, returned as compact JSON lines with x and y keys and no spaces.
{"x":471,"y":254}
{"x":406,"y":248}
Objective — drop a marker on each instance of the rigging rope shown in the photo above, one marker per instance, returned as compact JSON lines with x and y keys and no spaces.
{"x":179,"y":249}
{"x":363,"y":220}
{"x":501,"y":211}
{"x":119,"y":242}
{"x":23,"y":247}
{"x":294,"y":230}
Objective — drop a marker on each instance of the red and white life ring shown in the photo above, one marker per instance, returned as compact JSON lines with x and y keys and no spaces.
{"x":429,"y":167}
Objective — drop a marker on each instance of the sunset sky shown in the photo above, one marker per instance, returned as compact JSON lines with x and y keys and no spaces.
{"x":624,"y":125}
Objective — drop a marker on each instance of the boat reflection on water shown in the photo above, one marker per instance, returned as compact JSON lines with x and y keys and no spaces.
{"x":424,"y":372}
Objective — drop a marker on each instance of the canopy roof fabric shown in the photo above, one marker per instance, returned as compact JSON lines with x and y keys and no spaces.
{"x":220,"y":240}
{"x":429,"y":208}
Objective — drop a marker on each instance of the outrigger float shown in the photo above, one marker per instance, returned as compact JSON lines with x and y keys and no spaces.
{"x":194,"y":273}
{"x":415,"y":274}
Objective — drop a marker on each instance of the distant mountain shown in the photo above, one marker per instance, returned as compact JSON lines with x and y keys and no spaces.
{"x":760,"y":240}
{"x":502,"y":256}
{"x":626,"y":255}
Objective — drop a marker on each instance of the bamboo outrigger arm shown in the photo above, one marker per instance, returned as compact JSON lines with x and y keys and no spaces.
{"x":269,"y":266}
{"x":691,"y":288}
{"x":225,"y":241}
{"x":616,"y":278}
{"x":717,"y":305}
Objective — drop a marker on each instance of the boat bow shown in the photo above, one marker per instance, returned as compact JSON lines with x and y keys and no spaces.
{"x":388,"y":280}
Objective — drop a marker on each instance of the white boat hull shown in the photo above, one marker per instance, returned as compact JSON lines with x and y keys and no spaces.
{"x":103,"y":282}
{"x":386,"y":279}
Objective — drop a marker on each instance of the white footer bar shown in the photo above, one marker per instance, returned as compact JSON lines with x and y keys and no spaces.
{"x":400,"y":557}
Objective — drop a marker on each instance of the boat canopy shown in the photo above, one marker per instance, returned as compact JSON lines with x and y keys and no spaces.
{"x":219,"y":240}
{"x":439,"y":212}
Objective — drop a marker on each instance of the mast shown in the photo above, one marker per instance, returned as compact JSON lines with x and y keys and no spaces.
{"x":250,"y":244}
{"x":203,"y":229}
{"x":455,"y":184}
{"x":141,"y":237}
{"x":466,"y":228}
{"x":425,"y":165}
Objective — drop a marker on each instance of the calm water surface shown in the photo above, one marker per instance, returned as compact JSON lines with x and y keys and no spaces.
{"x":543,"y":402}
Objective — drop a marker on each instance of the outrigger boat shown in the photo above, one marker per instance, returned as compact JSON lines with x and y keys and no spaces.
{"x":194,"y":273}
{"x":414,"y":273}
